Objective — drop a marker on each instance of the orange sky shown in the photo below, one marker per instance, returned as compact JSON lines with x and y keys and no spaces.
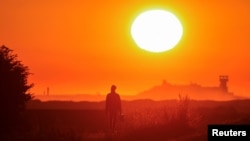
{"x":83,"y":47}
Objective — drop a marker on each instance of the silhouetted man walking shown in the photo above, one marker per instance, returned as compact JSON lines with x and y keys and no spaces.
{"x":113,"y":106}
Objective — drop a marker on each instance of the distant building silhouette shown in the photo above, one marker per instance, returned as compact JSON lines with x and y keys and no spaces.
{"x":48,"y":91}
{"x":194,"y":90}
{"x":223,"y":83}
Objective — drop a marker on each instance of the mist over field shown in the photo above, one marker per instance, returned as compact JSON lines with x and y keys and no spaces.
{"x":182,"y":120}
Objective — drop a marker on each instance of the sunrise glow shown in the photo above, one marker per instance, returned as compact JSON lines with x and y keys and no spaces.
{"x":124,"y":70}
{"x":83,"y":47}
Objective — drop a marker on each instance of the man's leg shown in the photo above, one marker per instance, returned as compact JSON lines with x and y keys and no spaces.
{"x":111,"y":120}
{"x":114,"y":121}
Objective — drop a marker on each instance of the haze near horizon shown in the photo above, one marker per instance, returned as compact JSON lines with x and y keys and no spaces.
{"x":81,"y":47}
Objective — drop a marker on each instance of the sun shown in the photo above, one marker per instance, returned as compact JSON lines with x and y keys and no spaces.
{"x":156,"y":30}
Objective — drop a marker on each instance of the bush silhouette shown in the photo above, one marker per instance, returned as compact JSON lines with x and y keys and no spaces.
{"x":14,"y":89}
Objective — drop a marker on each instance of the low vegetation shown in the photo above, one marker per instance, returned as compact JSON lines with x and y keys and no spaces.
{"x":144,"y":120}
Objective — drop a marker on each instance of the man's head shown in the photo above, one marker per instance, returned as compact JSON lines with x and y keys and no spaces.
{"x":113,"y":88}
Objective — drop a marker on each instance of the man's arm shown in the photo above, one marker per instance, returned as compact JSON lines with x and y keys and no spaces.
{"x":120,"y":105}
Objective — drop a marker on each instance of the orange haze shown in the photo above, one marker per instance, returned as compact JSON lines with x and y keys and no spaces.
{"x":76,"y":47}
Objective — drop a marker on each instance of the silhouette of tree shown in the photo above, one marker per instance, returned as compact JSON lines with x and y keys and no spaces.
{"x":14,"y":88}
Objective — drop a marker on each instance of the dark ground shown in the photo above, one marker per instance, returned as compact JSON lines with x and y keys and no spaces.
{"x":145,"y":120}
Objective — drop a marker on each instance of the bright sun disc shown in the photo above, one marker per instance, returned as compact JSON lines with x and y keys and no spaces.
{"x":156,"y":30}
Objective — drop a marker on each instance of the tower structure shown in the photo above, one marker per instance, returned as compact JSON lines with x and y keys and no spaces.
{"x":223,"y":83}
{"x":47,"y":90}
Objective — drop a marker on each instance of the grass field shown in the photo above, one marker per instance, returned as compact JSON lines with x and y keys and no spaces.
{"x":144,"y":120}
